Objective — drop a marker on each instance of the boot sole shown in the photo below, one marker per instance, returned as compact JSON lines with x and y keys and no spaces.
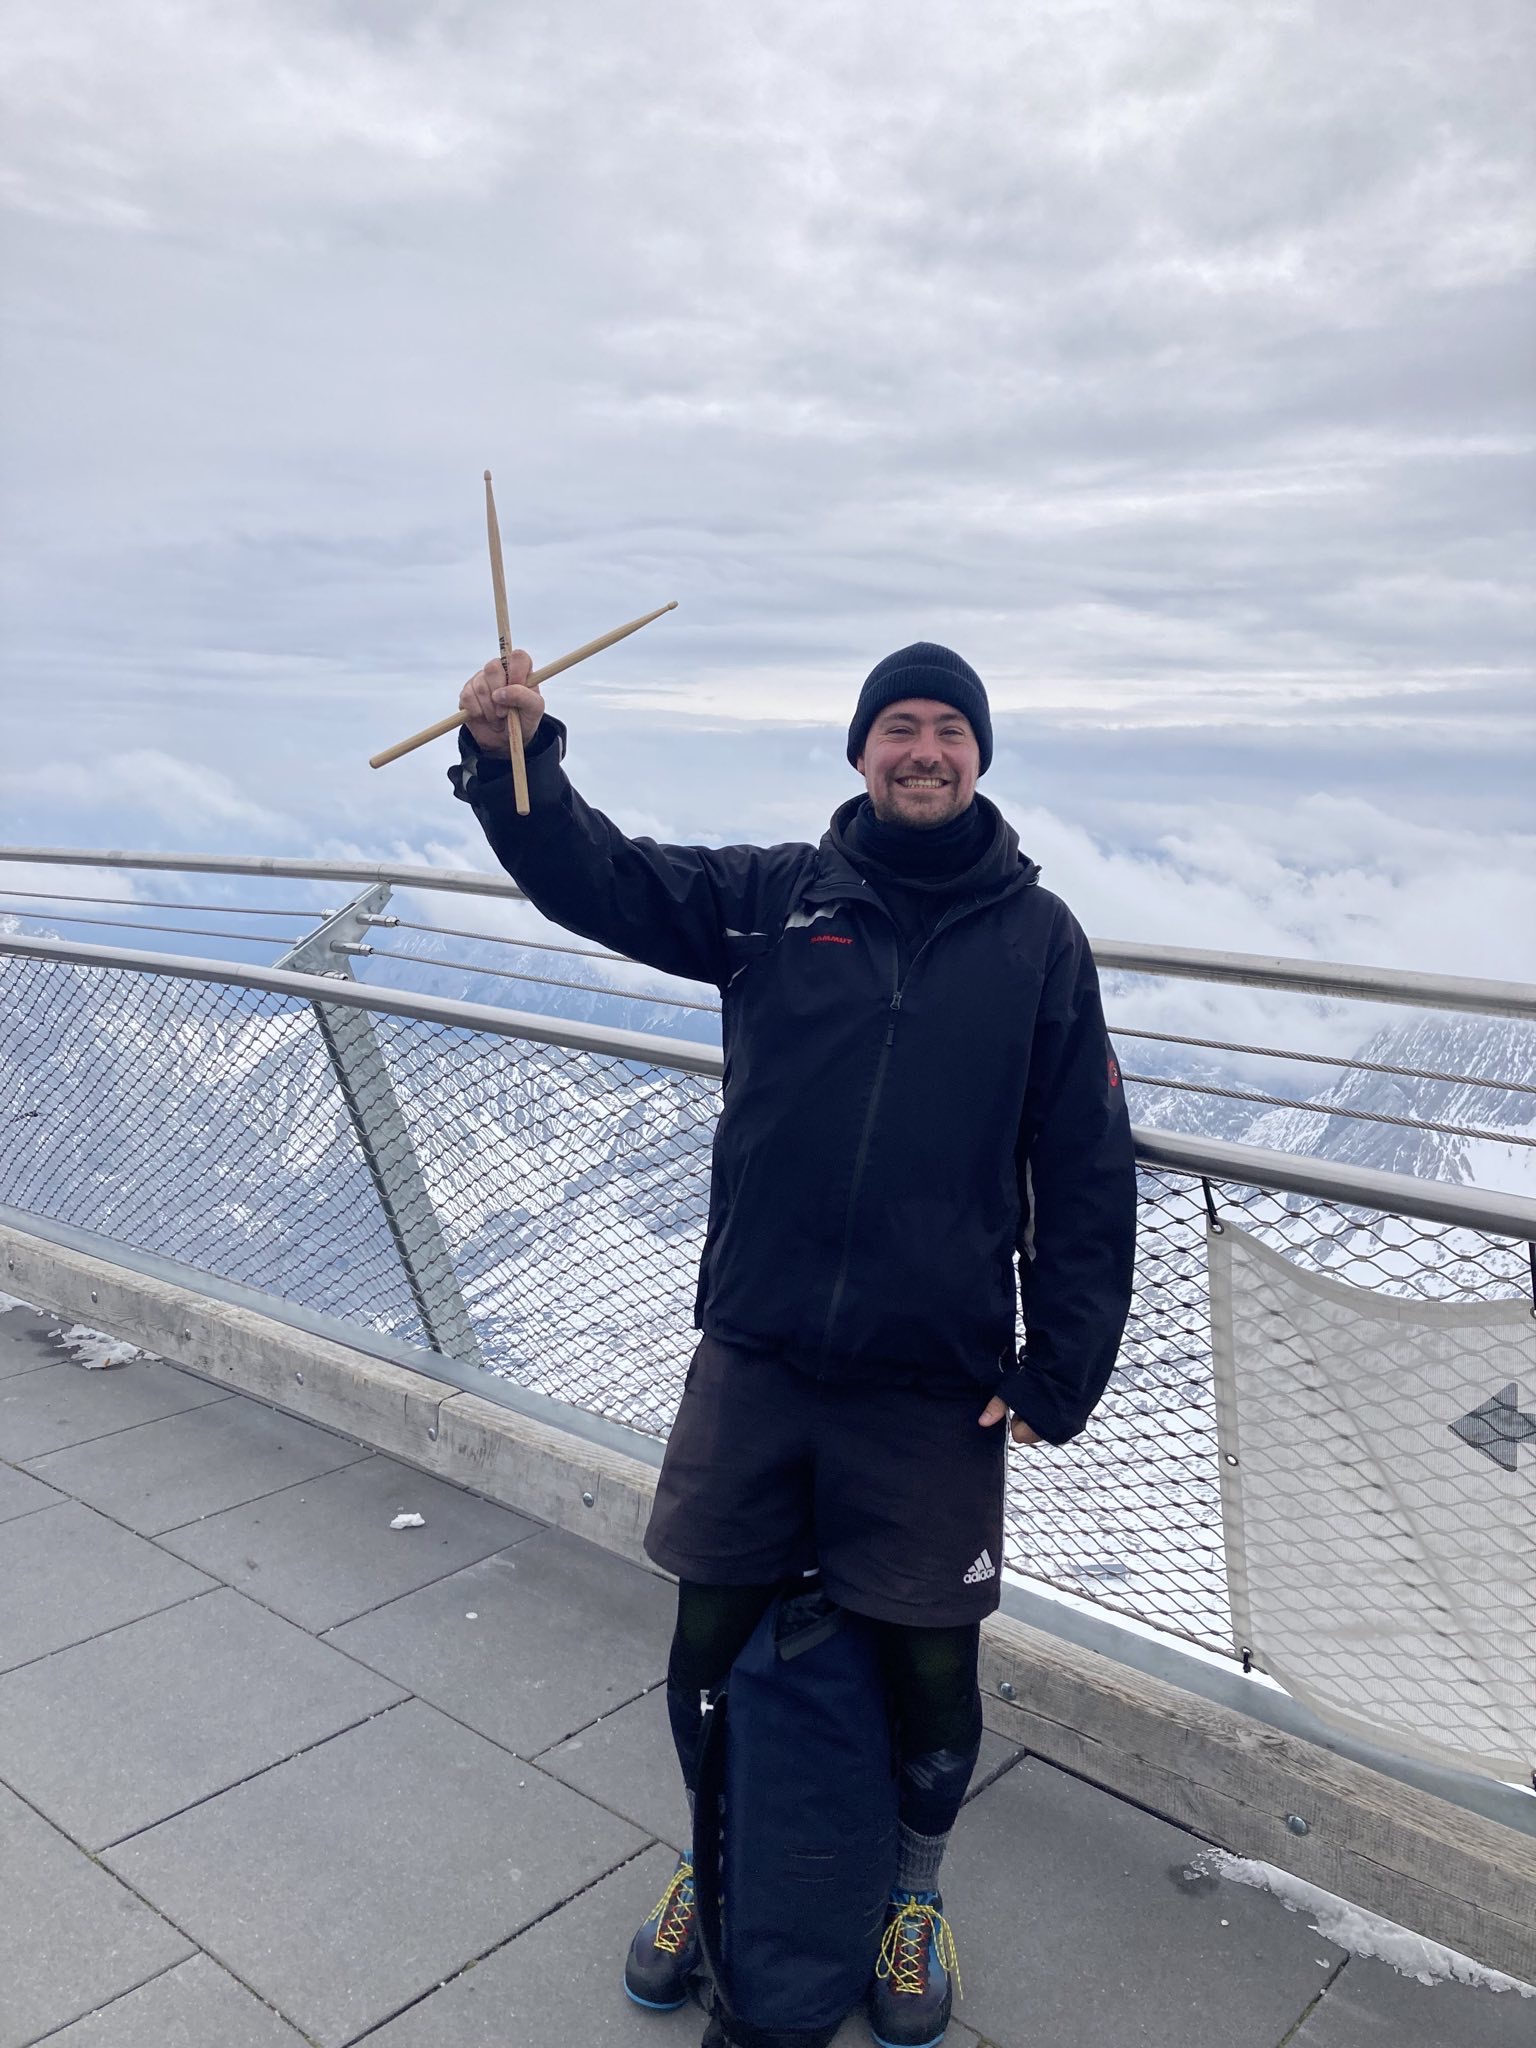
{"x":655,"y":2005}
{"x":881,"y":2042}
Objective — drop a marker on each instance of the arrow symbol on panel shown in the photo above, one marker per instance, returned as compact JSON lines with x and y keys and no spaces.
{"x":1498,"y":1428}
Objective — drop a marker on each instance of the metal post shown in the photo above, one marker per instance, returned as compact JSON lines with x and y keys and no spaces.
{"x":377,"y":1118}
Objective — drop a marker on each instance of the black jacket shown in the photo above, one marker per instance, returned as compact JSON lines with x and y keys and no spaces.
{"x":892,"y":1133}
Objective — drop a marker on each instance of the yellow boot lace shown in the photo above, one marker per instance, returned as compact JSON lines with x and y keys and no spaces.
{"x":905,"y":1944}
{"x":673,"y":1911}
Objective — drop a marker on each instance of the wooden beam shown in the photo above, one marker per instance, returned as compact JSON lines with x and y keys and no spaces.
{"x":1447,"y":1873}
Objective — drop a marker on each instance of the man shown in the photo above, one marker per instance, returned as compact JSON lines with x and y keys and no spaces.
{"x":919,"y":1098}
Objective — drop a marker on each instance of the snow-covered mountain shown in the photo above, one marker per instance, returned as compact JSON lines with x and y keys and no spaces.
{"x":1485,"y":1050}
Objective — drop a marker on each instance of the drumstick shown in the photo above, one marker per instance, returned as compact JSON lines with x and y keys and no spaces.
{"x":540,"y":675}
{"x":504,"y":634}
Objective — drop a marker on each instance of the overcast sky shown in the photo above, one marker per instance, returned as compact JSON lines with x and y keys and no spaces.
{"x":1172,"y":361}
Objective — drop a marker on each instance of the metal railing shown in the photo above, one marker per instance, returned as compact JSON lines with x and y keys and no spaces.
{"x":530,"y":1192}
{"x":1234,"y":1079}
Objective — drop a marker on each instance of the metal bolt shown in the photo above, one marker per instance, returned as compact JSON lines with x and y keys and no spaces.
{"x":1231,"y":1457}
{"x":1296,"y":1824}
{"x":186,"y":1336}
{"x":589,"y":1500}
{"x":432,"y":1433}
{"x":93,"y":1294}
{"x":1006,"y":1689}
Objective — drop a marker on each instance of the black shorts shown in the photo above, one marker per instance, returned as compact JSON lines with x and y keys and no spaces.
{"x":896,"y":1493}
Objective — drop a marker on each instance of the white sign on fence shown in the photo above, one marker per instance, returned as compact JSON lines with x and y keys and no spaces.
{"x":1378,"y":1469}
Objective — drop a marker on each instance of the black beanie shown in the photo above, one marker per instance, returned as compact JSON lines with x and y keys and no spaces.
{"x":922,"y":670}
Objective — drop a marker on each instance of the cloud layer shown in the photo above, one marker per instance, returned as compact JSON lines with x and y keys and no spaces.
{"x":1171,"y":361}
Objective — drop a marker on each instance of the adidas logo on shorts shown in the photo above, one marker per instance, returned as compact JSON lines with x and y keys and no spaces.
{"x":982,"y":1569}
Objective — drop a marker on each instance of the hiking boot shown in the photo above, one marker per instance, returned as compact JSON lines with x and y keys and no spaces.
{"x":916,"y":1974}
{"x":665,"y":1952}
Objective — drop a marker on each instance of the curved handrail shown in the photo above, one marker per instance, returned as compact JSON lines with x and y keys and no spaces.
{"x":1254,"y":970}
{"x":1247,"y":1165}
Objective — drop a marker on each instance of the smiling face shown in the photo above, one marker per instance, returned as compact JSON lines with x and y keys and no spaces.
{"x":920,"y":763}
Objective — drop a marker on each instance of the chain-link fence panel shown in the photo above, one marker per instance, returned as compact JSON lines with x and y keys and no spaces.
{"x":197,"y":1121}
{"x":560,"y":1198}
{"x":573,"y":1189}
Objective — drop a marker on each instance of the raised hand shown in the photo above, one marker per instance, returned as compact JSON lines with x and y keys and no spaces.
{"x":494,"y":691}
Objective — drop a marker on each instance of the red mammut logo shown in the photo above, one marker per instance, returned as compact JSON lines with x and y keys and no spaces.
{"x":1114,"y":1072}
{"x":830,"y":939}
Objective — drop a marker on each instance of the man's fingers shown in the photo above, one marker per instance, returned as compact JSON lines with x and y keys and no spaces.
{"x":517,"y":667}
{"x":488,"y":686}
{"x":993,"y":1414}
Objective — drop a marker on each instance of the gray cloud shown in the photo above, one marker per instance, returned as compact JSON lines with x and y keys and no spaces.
{"x":1172,"y":361}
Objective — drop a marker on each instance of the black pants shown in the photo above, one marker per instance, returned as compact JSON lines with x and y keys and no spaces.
{"x":929,"y":1672}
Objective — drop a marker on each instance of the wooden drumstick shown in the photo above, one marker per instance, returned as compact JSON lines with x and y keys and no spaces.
{"x":504,"y":634}
{"x":540,"y":675}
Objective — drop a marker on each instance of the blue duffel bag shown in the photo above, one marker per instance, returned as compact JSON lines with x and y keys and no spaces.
{"x":795,"y":1826}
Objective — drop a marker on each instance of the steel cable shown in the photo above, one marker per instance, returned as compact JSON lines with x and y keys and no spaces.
{"x":450,"y":931}
{"x":130,"y":924}
{"x":1364,"y":1116}
{"x":594,"y":988}
{"x":1322,"y":1059}
{"x":155,"y":903}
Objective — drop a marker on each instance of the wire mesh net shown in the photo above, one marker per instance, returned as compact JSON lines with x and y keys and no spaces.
{"x":196,"y":1121}
{"x":541,"y":1210}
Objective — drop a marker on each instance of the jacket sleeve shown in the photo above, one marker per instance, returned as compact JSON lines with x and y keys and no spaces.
{"x":1077,"y":1180}
{"x":669,"y":906}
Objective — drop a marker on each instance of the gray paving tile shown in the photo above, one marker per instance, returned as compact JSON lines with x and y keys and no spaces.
{"x":71,"y":1936}
{"x":68,"y":1404}
{"x":1368,"y":2005}
{"x":22,"y":1495}
{"x":323,"y":1552}
{"x":627,"y":1763}
{"x":352,"y":1879}
{"x":562,"y":1982}
{"x":27,"y":1341}
{"x":1076,"y":1923}
{"x":167,"y":1473}
{"x":196,"y":2005}
{"x":563,"y":1632}
{"x":997,"y":1755}
{"x":118,"y":1733}
{"x":67,"y":1573}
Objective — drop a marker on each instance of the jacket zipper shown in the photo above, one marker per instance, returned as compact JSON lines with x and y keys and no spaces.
{"x":898,"y":989}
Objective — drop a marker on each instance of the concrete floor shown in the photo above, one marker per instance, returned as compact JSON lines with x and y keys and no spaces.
{"x":272,"y":1772}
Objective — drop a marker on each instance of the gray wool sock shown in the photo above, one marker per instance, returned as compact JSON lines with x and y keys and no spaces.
{"x":917,"y":1859}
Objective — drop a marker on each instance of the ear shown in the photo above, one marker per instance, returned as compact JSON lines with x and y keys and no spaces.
{"x":858,"y":766}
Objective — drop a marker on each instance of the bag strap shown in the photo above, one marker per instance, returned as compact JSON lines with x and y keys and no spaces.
{"x":708,"y":1797}
{"x":727,"y":2028}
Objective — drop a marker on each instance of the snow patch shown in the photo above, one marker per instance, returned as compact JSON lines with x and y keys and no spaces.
{"x":94,"y":1349}
{"x":408,"y":1521}
{"x":1353,"y":1928}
